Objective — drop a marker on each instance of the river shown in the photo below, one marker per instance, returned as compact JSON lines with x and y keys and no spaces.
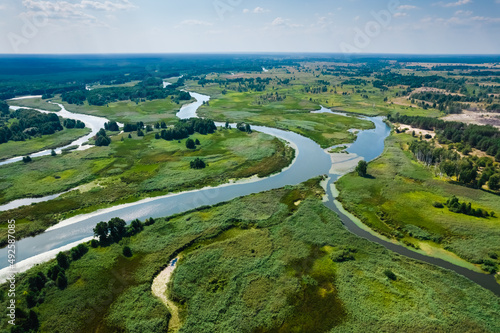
{"x":311,"y":161}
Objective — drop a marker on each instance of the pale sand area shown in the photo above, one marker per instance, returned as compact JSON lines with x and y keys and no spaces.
{"x":159,"y":289}
{"x":479,"y":118}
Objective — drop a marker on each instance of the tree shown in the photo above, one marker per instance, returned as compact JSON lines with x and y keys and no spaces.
{"x":117,"y":228}
{"x":101,"y":231}
{"x":129,"y":136}
{"x":61,"y":281}
{"x":190,"y":144}
{"x":102,"y":139}
{"x":62,"y":260}
{"x":494,"y":182}
{"x":390,"y":274}
{"x":127,"y":252}
{"x":197,"y":142}
{"x":197,"y":163}
{"x":53,"y":153}
{"x":54,"y":271}
{"x":27,"y":159}
{"x":361,"y":169}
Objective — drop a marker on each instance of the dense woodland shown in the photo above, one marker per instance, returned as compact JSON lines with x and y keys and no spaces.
{"x":24,"y":124}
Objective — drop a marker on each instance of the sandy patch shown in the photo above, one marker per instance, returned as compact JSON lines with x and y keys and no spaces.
{"x":478,"y":118}
{"x":159,"y":289}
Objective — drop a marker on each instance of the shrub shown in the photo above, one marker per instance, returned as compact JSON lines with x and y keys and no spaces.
{"x":27,"y":159}
{"x":390,"y":275}
{"x":127,"y":252}
{"x":438,"y":204}
{"x":190,"y":144}
{"x":198,"y":163}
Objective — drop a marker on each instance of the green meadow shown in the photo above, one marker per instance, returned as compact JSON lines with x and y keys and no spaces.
{"x":397,"y":200}
{"x":277,"y":261}
{"x":52,"y":141}
{"x":131,"y":170}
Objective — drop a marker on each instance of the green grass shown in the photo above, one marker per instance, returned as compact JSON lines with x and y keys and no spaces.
{"x":131,"y":170}
{"x":397,"y":201}
{"x":271,"y":272}
{"x":53,"y":141}
{"x":35,"y":103}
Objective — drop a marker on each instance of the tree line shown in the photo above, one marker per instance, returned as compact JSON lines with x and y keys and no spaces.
{"x":186,"y":127}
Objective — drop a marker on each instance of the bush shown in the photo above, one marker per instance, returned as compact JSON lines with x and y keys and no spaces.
{"x":61,"y":281}
{"x":390,"y":275}
{"x":127,"y":252}
{"x":190,"y":144}
{"x":62,"y":260}
{"x":27,"y":159}
{"x":198,"y":163}
{"x":438,"y":204}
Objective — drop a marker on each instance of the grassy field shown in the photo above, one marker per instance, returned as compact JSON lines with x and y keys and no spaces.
{"x":397,"y":201}
{"x":131,"y":170}
{"x":148,"y":112}
{"x":276,"y":261}
{"x":35,"y":103}
{"x":56,"y":140}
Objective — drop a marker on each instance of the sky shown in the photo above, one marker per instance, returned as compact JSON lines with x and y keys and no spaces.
{"x":250,"y":26}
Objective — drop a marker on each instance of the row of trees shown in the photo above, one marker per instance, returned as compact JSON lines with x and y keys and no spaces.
{"x":116,"y":229}
{"x":184,"y":128}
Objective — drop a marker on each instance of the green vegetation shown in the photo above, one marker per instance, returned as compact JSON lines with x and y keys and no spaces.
{"x":402,"y":200}
{"x":130,"y":170}
{"x":56,"y":140}
{"x":24,"y":124}
{"x":269,"y":270}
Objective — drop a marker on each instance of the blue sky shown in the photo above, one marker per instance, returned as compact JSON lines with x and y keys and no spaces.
{"x":166,"y":26}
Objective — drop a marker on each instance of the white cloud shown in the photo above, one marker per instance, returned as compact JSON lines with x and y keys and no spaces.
{"x":196,"y":22}
{"x":73,"y":12}
{"x":278,"y":21}
{"x":463,"y":13}
{"x":256,"y":10}
{"x":407,"y":7}
{"x":454,"y":4}
{"x":400,"y":14}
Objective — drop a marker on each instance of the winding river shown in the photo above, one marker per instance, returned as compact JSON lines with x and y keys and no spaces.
{"x":310,"y":161}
